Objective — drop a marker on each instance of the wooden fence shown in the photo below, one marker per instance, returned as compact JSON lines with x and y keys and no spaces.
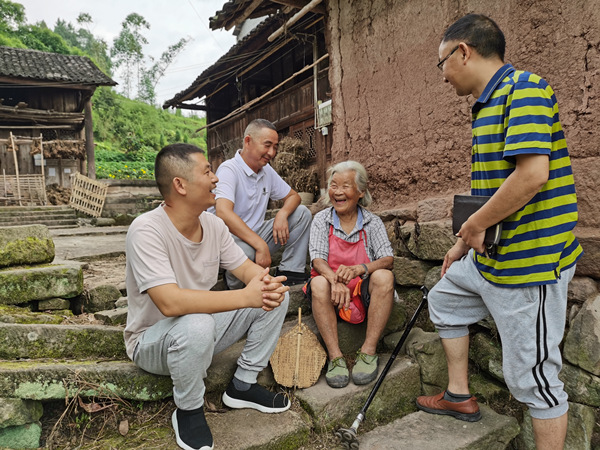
{"x":87,"y":195}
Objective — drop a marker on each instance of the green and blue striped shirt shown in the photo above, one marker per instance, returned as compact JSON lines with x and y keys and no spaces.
{"x":517,"y":114}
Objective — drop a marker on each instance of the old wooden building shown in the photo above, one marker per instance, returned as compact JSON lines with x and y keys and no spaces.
{"x":278,"y":70}
{"x":45,"y":106}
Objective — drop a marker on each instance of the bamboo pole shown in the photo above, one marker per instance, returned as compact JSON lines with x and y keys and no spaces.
{"x":294,"y":19}
{"x":12,"y":141}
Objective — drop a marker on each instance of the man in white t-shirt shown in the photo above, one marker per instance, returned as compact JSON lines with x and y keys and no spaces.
{"x":246,"y":183}
{"x":175,"y":323}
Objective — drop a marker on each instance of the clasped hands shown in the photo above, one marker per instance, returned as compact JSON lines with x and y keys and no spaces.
{"x":340,"y":293}
{"x":265,"y":291}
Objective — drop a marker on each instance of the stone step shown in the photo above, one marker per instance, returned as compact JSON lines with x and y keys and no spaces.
{"x":60,"y":341}
{"x":52,"y":380}
{"x":50,"y":222}
{"x":19,"y":285}
{"x":332,"y":408}
{"x":424,"y":431}
{"x":40,"y":208}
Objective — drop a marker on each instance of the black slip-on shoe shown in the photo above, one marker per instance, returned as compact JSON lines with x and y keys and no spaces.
{"x":191,"y":430}
{"x":293,"y":278}
{"x":257,"y":397}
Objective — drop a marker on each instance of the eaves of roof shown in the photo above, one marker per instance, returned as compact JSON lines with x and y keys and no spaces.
{"x":225,"y":62}
{"x":34,"y":65}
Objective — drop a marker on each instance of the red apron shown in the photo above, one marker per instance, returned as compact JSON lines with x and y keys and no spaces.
{"x":348,"y":254}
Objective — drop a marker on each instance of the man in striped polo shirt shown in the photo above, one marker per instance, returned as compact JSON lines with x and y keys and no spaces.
{"x":520,"y":160}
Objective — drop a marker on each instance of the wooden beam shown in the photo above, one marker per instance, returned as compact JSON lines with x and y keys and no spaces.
{"x":258,"y":99}
{"x":89,"y":141}
{"x":299,"y":4}
{"x":292,"y":20}
{"x":18,"y":82}
{"x":249,"y":10}
{"x":191,"y":106}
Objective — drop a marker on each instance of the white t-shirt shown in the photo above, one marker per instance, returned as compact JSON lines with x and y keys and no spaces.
{"x":157,"y":254}
{"x":249,"y":191}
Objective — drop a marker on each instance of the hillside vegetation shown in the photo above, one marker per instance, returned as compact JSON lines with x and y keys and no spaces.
{"x":128,"y":132}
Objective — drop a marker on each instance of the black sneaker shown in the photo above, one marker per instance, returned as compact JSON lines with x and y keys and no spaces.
{"x":293,"y":278}
{"x":191,"y":430}
{"x":257,"y":397}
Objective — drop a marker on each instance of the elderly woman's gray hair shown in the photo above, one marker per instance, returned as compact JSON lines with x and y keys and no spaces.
{"x":360,"y":178}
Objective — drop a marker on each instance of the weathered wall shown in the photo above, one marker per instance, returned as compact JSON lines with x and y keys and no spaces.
{"x":393,"y":113}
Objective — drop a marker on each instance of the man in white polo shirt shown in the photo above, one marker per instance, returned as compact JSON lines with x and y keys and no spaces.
{"x":246,"y":183}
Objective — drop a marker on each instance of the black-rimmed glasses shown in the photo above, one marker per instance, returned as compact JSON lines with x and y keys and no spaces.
{"x":440,"y":65}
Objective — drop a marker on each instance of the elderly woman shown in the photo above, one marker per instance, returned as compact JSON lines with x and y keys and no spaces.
{"x":351,"y":260}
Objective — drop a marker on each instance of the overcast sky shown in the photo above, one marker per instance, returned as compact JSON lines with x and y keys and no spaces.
{"x":170,"y":20}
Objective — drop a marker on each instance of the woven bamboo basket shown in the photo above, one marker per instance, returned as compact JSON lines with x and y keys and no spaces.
{"x":298,"y":358}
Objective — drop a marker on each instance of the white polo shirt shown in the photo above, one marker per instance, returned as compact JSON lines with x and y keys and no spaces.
{"x":249,"y":191}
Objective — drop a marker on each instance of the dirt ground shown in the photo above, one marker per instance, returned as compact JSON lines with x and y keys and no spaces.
{"x":109,"y":270}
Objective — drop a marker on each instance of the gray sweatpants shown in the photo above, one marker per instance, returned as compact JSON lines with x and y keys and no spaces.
{"x":295,"y":251}
{"x":531,"y":324}
{"x":183,"y":347}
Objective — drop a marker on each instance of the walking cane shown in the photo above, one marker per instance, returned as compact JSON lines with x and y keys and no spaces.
{"x":347,"y":436}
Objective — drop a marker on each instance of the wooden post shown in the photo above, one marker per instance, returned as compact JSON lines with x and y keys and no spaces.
{"x":89,"y":140}
{"x":13,"y":145}
{"x":45,"y":199}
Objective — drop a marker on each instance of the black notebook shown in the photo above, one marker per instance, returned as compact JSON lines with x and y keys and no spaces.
{"x":464,"y":207}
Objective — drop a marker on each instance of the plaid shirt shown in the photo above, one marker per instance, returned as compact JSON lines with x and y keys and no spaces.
{"x":378,"y":243}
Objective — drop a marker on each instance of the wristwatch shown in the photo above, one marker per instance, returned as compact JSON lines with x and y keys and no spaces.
{"x":366,"y":274}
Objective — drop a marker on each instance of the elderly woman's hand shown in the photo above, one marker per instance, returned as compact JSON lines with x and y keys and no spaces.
{"x":346,"y":273}
{"x":340,"y":295}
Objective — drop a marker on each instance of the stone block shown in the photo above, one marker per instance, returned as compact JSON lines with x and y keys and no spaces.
{"x":22,"y":436}
{"x":298,"y":300}
{"x":582,"y":386}
{"x":60,"y":341}
{"x":54,"y":304}
{"x":117,"y":316}
{"x":395,"y":398}
{"x":581,"y":289}
{"x":19,"y":285}
{"x":15,"y":412}
{"x":487,"y":354}
{"x":410,"y":272}
{"x":238,"y":430}
{"x":427,"y":349}
{"x":433,"y":276}
{"x":101,"y":298}
{"x":431,"y":240}
{"x":432,"y":209}
{"x":121,"y":302}
{"x":424,"y":431}
{"x":25,"y":245}
{"x":53,"y":381}
{"x":24,"y":315}
{"x":589,"y":264}
{"x":582,"y":344}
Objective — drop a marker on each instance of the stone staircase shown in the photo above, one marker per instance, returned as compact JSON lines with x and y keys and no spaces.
{"x":44,"y":360}
{"x":52,"y":216}
{"x":54,"y":362}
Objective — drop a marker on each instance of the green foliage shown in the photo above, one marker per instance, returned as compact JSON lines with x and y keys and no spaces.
{"x":12,"y":15}
{"x":128,"y":134}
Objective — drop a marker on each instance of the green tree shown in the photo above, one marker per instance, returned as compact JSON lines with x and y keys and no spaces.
{"x":127,"y":48}
{"x":83,"y":39}
{"x":151,"y":76}
{"x":12,"y":15}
